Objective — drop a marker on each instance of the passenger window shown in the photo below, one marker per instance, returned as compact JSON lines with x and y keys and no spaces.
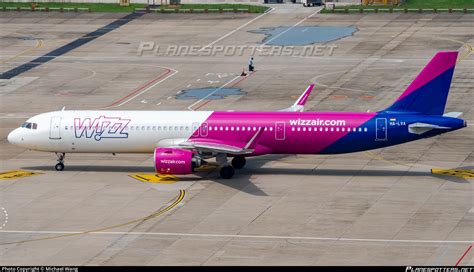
{"x":226,"y":128}
{"x":320,"y":129}
{"x":342,"y":129}
{"x":271,"y":129}
{"x":170,"y":128}
{"x":360,"y":129}
{"x":304,"y":129}
{"x":365,"y":129}
{"x":175,"y":128}
{"x":237,"y":128}
{"x":154,"y":127}
{"x":210,"y":128}
{"x":181,"y":128}
{"x":332,"y":129}
{"x":187,"y":128}
{"x":325,"y":129}
{"x":243,"y":128}
{"x":298,"y":129}
{"x":231,"y":128}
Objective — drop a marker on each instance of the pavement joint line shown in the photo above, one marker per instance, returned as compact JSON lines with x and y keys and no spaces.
{"x":237,"y":29}
{"x":143,"y":89}
{"x":242,"y":236}
{"x":72,"y":45}
{"x":190,"y":107}
{"x":39,"y":43}
{"x":298,"y":23}
{"x":233,"y":85}
{"x":62,"y":234}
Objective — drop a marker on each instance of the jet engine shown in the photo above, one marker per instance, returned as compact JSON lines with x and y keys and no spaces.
{"x":175,"y":161}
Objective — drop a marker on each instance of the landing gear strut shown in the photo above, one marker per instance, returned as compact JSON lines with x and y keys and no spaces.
{"x":238,"y":162}
{"x":60,"y":165}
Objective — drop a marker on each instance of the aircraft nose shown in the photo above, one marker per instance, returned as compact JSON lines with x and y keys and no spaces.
{"x":14,"y":137}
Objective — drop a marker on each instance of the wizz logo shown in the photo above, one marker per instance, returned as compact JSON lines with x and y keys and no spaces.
{"x":102,"y":127}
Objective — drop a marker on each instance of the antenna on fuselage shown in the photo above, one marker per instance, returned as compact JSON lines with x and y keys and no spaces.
{"x":64,"y":107}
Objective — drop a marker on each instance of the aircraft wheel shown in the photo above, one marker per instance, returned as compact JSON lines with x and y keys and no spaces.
{"x":238,"y":162}
{"x":59,"y":166}
{"x":227,"y":172}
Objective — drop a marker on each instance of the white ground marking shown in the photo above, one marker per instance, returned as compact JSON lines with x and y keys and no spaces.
{"x":237,"y":29}
{"x":242,"y":236}
{"x":5,"y":220}
{"x":144,"y":90}
{"x":213,"y":92}
{"x":298,"y":23}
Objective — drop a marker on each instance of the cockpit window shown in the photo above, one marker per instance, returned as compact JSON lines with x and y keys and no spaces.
{"x":29,"y":125}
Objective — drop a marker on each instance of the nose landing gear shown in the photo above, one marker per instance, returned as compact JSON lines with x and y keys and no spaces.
{"x":60,"y":165}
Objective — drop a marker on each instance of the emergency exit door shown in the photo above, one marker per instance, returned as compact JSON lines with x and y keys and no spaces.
{"x":55,"y":128}
{"x":381,"y":129}
{"x":280,"y":131}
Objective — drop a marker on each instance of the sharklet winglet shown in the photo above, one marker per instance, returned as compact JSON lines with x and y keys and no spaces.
{"x":301,"y":101}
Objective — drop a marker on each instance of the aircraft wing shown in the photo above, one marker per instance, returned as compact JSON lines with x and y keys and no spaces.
{"x":236,"y":148}
{"x":299,"y":104}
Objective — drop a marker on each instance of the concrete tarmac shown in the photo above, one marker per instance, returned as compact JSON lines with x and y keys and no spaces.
{"x":382,"y":207}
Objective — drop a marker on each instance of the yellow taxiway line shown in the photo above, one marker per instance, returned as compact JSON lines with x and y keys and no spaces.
{"x":178,"y":200}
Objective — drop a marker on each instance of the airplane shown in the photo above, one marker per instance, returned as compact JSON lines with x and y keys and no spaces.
{"x":182,"y":141}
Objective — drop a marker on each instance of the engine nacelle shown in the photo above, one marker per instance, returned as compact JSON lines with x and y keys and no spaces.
{"x":175,"y":161}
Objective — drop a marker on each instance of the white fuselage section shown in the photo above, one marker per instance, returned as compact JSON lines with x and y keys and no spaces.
{"x":108,"y":131}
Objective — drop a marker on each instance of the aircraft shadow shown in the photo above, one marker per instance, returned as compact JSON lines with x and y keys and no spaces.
{"x":242,"y":179}
{"x":96,"y":168}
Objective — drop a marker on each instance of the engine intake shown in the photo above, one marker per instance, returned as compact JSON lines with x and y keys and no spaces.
{"x":175,"y":161}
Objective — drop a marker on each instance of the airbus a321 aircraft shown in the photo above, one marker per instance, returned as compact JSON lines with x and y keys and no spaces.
{"x":184,"y":140}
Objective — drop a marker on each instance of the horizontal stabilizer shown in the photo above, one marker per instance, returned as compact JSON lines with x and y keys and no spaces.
{"x":420,"y":128}
{"x":454,"y":114}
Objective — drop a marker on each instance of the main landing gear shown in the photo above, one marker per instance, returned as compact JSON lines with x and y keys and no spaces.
{"x":227,"y":171}
{"x":60,"y":165}
{"x":238,"y":162}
